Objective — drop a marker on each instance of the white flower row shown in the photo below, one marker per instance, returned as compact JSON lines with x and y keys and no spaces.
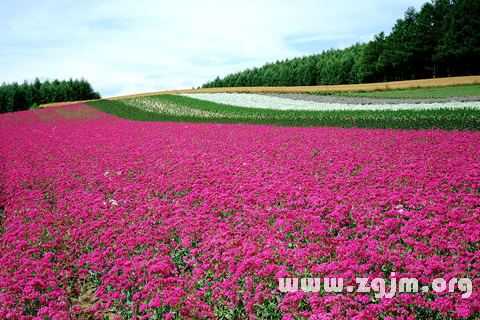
{"x":267,"y":102}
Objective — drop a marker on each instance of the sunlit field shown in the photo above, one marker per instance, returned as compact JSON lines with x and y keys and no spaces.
{"x":113,"y":218}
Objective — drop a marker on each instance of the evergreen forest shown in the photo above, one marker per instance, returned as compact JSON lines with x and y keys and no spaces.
{"x":440,"y":40}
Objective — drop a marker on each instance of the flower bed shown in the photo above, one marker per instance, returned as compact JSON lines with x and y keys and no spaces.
{"x":106,"y":216}
{"x":319,"y":103}
{"x":365,"y":100}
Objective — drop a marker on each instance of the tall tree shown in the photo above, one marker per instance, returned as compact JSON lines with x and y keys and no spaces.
{"x":441,"y":21}
{"x":14,"y":97}
{"x":310,"y":74}
{"x":425,"y":62}
{"x":371,"y":68}
{"x":442,"y":39}
{"x":465,"y":35}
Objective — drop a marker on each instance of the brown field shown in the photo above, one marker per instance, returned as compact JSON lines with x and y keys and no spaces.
{"x":407,"y":84}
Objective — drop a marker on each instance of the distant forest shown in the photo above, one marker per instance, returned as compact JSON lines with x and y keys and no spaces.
{"x":15,"y":97}
{"x":442,"y":40}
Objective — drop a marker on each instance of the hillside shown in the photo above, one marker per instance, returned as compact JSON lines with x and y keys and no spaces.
{"x":407,"y":84}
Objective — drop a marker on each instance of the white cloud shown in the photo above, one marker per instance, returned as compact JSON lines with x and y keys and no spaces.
{"x":125,"y":47}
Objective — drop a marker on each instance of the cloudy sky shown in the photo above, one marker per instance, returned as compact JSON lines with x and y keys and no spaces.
{"x":125,"y":47}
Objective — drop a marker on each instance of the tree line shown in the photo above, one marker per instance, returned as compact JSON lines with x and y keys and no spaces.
{"x":15,"y":97}
{"x":441,"y":40}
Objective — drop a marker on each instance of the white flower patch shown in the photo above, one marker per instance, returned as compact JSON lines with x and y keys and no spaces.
{"x":267,"y":102}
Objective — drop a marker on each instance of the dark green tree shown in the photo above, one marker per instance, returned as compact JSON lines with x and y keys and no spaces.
{"x":14,"y":97}
{"x":372,"y":68}
{"x":309,"y":75}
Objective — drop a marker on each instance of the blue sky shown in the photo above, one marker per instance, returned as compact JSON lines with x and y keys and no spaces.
{"x":127,"y":47}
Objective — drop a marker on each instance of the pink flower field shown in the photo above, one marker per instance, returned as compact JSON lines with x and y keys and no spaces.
{"x":109,"y":218}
